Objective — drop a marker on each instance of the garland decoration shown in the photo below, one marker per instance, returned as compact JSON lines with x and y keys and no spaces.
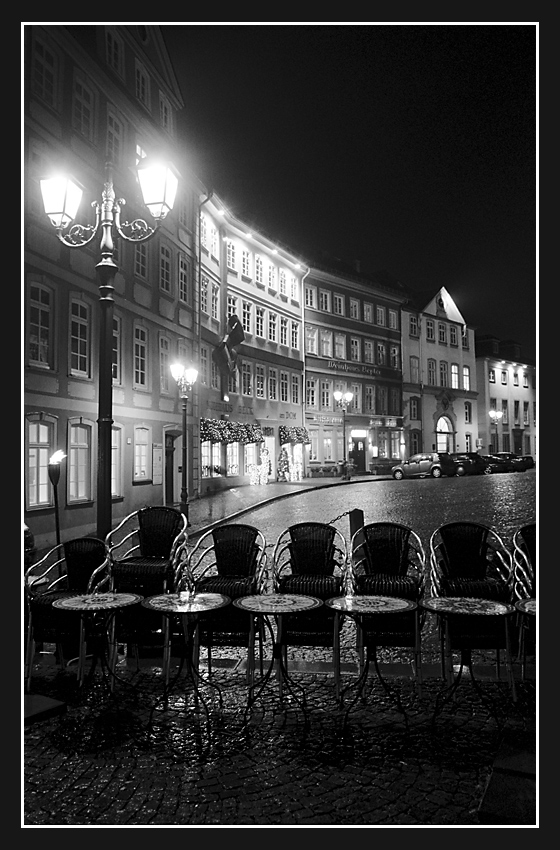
{"x":225,"y":431}
{"x":292,"y":434}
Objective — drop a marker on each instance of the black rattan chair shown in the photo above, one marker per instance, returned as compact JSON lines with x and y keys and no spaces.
{"x":525,"y":587}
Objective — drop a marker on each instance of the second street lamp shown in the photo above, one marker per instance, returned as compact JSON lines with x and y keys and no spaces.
{"x":343,"y":400}
{"x":61,"y":199}
{"x":495,"y":416}
{"x":54,"y":477}
{"x":185,"y":379}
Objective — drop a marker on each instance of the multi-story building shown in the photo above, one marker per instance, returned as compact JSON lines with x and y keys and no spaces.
{"x":506,"y":386}
{"x":352,"y":345}
{"x":250,"y":395}
{"x":94,"y":94}
{"x":439,"y":377}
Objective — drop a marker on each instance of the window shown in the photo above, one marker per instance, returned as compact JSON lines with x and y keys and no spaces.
{"x":356,"y":403}
{"x":505,"y":412}
{"x":283,"y":330}
{"x":314,"y":447}
{"x":40,"y":326}
{"x":466,"y":378}
{"x":114,"y":52}
{"x":368,"y":312}
{"x":141,"y":260}
{"x":324,"y":300}
{"x":369,"y":399}
{"x":468,"y":413}
{"x":259,"y":381}
{"x":283,"y":386}
{"x":394,"y":356}
{"x":354,"y":348}
{"x":232,"y":459}
{"x":453,"y":334}
{"x":368,"y":351}
{"x":186,"y":213}
{"x":516,"y":413}
{"x":140,"y":357}
{"x":327,"y":448}
{"x":164,"y":370}
{"x":79,"y":339}
{"x":272,"y":325}
{"x":430,"y":330}
{"x":231,"y":306}
{"x":215,"y":301}
{"x":294,"y":289}
{"x":83,"y":117}
{"x":295,"y":335}
{"x":272,"y":277}
{"x":115,"y":137}
{"x":282,"y":275}
{"x":246,"y":313}
{"x":413,"y":326}
{"x":526,"y":413}
{"x":432,"y":372}
{"x":340,"y":346}
{"x":249,"y":458}
{"x":246,"y":379}
{"x":44,"y":74}
{"x":185,"y":278}
{"x":273,"y":384}
{"x":455,"y":376}
{"x":142,"y":82}
{"x":338,"y":305}
{"x":116,"y":461}
{"x":504,"y":376}
{"x":246,"y":263}
{"x":310,"y":340}
{"x":525,"y":380}
{"x":415,"y":370}
{"x":214,"y":377}
{"x":381,"y":353}
{"x":380,"y":316}
{"x":79,"y":466}
{"x":232,"y":383}
{"x":204,"y":285}
{"x":41,"y":441}
{"x":394,"y":401}
{"x":310,"y":297}
{"x":442,"y":333}
{"x":165,"y":269}
{"x":326,"y":395}
{"x":295,"y":389}
{"x":203,"y":360}
{"x":258,"y":269}
{"x":382,"y":400}
{"x":204,"y":231}
{"x":214,"y":242}
{"x":142,"y":456}
{"x":414,"y":408}
{"x":393,"y":320}
{"x":259,"y":321}
{"x":326,"y":343}
{"x":516,"y":379}
{"x":492,"y":376}
{"x":311,"y":392}
{"x":354,"y":308}
{"x":443,"y":374}
{"x":165,"y":113}
{"x":117,"y":350}
{"x":230,"y":255}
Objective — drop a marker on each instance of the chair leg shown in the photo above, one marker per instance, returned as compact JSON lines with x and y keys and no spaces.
{"x":336,"y":656}
{"x":29,"y":654}
{"x":418,"y":654}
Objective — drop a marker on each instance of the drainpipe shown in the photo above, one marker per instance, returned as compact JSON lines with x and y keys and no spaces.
{"x":304,"y":372}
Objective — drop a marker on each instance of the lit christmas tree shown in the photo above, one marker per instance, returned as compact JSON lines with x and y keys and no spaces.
{"x":283,"y":468}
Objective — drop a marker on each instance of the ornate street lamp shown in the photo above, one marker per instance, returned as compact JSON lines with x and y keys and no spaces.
{"x":495,"y":416}
{"x":61,"y":199}
{"x":343,"y":400}
{"x":185,"y":379}
{"x":54,"y":476}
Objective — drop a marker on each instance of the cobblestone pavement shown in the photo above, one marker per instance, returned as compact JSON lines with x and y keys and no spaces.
{"x":125,"y":758}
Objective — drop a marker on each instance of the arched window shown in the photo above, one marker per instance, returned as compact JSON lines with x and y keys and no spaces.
{"x":444,"y":434}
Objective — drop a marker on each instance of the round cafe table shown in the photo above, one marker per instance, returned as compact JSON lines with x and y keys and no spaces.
{"x":277,"y":605}
{"x":188,"y":607}
{"x":97,"y":612}
{"x":358,"y":606}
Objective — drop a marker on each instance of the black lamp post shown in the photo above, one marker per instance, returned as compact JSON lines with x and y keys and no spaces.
{"x":495,"y":416}
{"x":343,"y":400}
{"x":185,"y":379}
{"x":61,"y":198}
{"x":54,"y":477}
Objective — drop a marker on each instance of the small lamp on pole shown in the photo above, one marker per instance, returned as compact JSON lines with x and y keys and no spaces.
{"x":495,"y":416}
{"x":185,"y":379}
{"x":343,"y":400}
{"x":54,"y":477}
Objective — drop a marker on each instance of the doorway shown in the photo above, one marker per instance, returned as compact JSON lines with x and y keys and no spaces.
{"x":357,"y":454}
{"x":169,"y":496}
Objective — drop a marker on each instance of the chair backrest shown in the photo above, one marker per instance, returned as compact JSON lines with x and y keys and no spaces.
{"x":462,"y":549}
{"x":312,"y":548}
{"x":385,"y":548}
{"x":236,"y":549}
{"x":83,"y":555}
{"x":158,"y":529}
{"x":525,"y":560}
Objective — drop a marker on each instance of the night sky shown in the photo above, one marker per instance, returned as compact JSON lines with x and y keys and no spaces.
{"x":410,"y":148}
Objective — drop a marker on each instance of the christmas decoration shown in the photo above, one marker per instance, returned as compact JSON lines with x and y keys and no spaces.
{"x":292,"y":434}
{"x":283,"y":468}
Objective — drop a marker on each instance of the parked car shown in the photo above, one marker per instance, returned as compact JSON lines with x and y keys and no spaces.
{"x":529,"y":461}
{"x":496,"y":464}
{"x":468,"y":463}
{"x":424,"y":465}
{"x":520,"y":464}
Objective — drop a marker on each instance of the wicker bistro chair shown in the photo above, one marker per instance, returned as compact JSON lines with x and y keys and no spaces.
{"x":470,"y":559}
{"x":525,"y":587}
{"x":77,"y":566}
{"x":310,"y":558}
{"x":388,"y":559}
{"x":229,"y":559}
{"x":142,"y":551}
